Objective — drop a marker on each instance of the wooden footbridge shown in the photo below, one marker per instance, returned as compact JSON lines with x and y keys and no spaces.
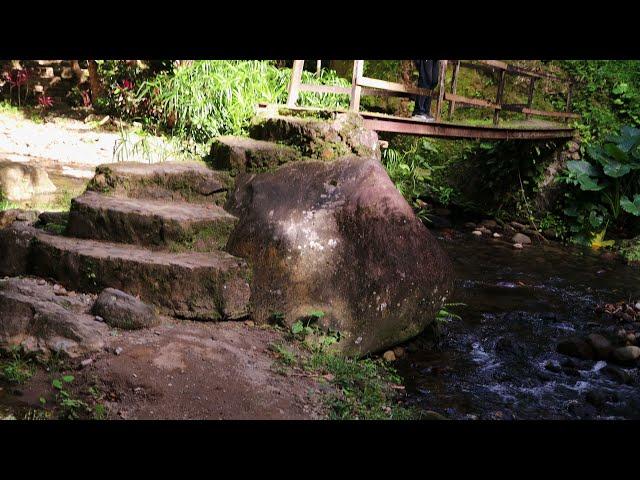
{"x":528,"y":129}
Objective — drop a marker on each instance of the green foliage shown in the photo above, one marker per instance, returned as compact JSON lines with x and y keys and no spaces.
{"x":414,"y":175}
{"x":70,"y":407}
{"x":15,"y":367}
{"x":444,"y":315}
{"x":208,"y":98}
{"x":365,"y":387}
{"x":607,"y":95}
{"x":308,"y":331}
{"x":608,"y":190}
{"x":121,"y":78}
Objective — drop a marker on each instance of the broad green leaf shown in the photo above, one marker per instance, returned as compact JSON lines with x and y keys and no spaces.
{"x":616,"y":169}
{"x":57,"y":384}
{"x":582,"y":167}
{"x":631,"y":207}
{"x":615,"y":152}
{"x":589,"y":184}
{"x":68,"y":378}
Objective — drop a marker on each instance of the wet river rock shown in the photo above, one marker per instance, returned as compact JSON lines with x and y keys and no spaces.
{"x":338,"y":238}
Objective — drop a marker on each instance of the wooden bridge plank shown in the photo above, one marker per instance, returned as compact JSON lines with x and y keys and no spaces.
{"x":447,"y":130}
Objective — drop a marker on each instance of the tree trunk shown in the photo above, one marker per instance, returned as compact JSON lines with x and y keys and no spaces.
{"x":97,"y":89}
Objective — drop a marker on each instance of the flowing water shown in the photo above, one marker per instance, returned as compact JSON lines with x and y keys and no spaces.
{"x":499,"y":360}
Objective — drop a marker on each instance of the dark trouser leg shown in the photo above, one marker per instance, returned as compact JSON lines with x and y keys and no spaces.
{"x":428,"y":71}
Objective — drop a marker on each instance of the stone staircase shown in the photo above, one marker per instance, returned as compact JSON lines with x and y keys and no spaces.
{"x":155,"y":231}
{"x":159,"y":231}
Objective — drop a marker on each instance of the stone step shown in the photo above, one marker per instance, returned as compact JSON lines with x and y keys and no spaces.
{"x":39,"y":318}
{"x":204,"y":286}
{"x":242,"y":154}
{"x":182,"y":181}
{"x":178,"y":225}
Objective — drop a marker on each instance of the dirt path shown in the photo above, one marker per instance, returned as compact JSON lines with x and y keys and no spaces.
{"x":62,"y":145}
{"x":184,"y":371}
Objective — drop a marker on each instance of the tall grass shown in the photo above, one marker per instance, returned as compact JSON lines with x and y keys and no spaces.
{"x":208,"y":98}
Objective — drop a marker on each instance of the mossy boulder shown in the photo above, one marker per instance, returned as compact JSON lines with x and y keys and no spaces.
{"x":326,"y":139}
{"x":338,"y":238}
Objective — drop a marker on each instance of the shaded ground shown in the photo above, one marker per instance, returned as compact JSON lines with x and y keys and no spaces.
{"x":180,"y":370}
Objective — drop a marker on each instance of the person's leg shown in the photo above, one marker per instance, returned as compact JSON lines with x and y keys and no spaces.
{"x":423,"y":82}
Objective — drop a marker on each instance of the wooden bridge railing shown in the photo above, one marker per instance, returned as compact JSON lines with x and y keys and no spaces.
{"x":361,"y":85}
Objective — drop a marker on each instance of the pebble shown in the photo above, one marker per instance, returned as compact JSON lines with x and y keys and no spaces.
{"x":98,"y":318}
{"x":86,"y":362}
{"x":637,"y":306}
{"x":250,"y":323}
{"x":496,"y":235}
{"x":42,"y":282}
{"x":477,"y":232}
{"x":517,"y":245}
{"x":389,"y":356}
{"x":118,"y":350}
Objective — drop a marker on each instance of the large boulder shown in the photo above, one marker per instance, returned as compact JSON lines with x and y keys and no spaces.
{"x":21,"y":182}
{"x":338,"y":237}
{"x":332,"y":136}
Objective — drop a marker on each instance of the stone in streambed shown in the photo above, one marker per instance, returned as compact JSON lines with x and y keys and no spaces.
{"x":121,"y":310}
{"x":601,"y":346}
{"x":576,"y":347}
{"x":389,"y":356}
{"x":521,"y":238}
{"x":626,"y":355}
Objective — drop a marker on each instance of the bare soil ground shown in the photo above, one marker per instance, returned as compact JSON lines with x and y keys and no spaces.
{"x":183,"y":371}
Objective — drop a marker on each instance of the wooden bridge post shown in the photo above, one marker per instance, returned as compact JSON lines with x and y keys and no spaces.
{"x":441,"y":86}
{"x":294,"y":85}
{"x":454,"y":88}
{"x":532,"y":86}
{"x":356,"y":89}
{"x":496,"y":112}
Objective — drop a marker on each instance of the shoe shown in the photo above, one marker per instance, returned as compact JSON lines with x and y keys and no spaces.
{"x":424,"y":117}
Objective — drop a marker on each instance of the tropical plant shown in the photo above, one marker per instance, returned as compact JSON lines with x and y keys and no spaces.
{"x":608,"y":182}
{"x":207,"y":98}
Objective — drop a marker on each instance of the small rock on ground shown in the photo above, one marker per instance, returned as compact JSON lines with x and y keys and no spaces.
{"x":121,"y":310}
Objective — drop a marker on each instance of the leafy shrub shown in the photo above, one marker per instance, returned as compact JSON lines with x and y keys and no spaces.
{"x":608,"y":184}
{"x":209,"y":98}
